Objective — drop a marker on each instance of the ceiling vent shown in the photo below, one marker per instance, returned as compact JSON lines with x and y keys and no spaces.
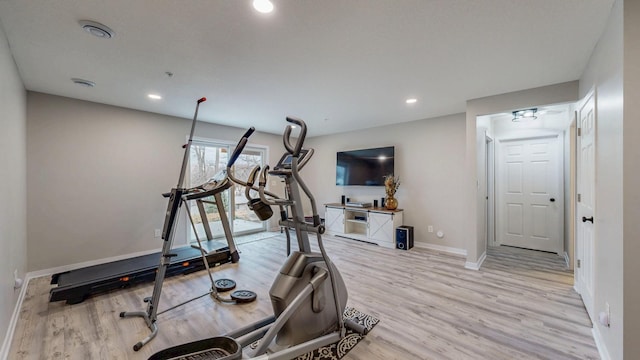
{"x":97,"y":29}
{"x":83,"y":82}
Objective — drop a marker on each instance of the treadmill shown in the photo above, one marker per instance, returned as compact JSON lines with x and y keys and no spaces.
{"x":76,"y":285}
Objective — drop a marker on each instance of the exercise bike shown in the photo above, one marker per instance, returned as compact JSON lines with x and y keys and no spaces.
{"x":308,"y":295}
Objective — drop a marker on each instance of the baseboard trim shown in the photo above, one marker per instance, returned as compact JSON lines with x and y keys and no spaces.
{"x":6,"y":344}
{"x":602,"y":348}
{"x":442,"y":248}
{"x":476,"y":265}
{"x":60,"y":269}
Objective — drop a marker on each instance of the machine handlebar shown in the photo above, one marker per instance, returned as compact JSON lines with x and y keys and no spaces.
{"x":294,"y":150}
{"x":249,"y":132}
{"x":241,"y":144}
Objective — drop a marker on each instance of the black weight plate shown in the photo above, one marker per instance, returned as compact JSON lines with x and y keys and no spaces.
{"x":243,"y":296}
{"x":223,"y":285}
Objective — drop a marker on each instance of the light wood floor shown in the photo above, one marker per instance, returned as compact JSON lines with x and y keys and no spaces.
{"x":520,"y":305}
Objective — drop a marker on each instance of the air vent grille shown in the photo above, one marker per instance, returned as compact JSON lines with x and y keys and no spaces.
{"x":97,"y":29}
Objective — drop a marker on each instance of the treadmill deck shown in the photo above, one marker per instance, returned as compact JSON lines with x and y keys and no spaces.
{"x":76,"y":285}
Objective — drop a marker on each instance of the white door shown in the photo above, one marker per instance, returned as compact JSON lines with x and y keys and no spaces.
{"x":530,"y":194}
{"x":585,"y":207}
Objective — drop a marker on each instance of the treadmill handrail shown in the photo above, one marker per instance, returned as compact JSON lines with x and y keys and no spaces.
{"x":222,"y":186}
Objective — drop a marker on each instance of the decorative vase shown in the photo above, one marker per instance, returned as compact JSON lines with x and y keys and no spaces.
{"x":390,"y":203}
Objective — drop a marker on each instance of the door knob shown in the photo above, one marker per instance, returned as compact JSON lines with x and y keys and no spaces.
{"x":585,"y":219}
{"x":552,"y":199}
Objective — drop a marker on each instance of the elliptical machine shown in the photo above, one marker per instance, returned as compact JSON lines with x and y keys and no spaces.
{"x":308,"y":295}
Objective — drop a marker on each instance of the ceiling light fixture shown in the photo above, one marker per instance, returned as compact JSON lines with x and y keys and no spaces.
{"x":524,"y":115}
{"x":97,"y":29}
{"x":154,"y":96}
{"x":411,"y":101}
{"x":83,"y":82}
{"x":263,"y":6}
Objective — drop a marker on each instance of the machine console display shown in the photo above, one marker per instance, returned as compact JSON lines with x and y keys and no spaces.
{"x":285,"y":161}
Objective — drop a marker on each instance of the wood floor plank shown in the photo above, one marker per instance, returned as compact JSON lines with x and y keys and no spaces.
{"x":519,"y":305}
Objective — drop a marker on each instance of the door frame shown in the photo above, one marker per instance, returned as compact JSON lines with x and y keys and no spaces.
{"x":535,"y":134}
{"x":571,"y":198}
{"x":578,"y":277}
{"x":490,"y":159}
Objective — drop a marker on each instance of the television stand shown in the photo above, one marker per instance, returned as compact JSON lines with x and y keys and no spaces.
{"x":359,"y":204}
{"x":373,"y":225}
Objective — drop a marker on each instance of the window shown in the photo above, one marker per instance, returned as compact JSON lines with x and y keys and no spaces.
{"x":208,"y":158}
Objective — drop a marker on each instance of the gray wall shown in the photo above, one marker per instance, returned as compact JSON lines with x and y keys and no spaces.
{"x":569,"y":198}
{"x":604,"y":74}
{"x":96,"y":174}
{"x":631,"y":180}
{"x":13,"y":162}
{"x":429,"y":161}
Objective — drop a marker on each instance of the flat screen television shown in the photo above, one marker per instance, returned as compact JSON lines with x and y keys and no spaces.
{"x":366,"y":167}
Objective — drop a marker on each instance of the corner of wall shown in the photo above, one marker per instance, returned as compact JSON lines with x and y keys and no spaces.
{"x":476,"y":265}
{"x":6,"y":344}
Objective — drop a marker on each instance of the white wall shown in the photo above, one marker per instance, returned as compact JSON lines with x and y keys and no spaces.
{"x":96,"y":174}
{"x":13,"y":163}
{"x":604,"y":73}
{"x":429,"y":161}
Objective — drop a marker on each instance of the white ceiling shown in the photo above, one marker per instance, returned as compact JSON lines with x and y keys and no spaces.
{"x":338,"y":64}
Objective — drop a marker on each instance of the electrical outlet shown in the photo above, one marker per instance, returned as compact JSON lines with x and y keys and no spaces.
{"x":430,"y":228}
{"x":157,"y":233}
{"x":17,"y":282}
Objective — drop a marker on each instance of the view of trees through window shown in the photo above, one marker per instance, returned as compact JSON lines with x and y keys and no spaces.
{"x":208,"y":159}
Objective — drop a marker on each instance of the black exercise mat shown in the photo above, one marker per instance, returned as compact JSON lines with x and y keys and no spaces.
{"x":341,"y":348}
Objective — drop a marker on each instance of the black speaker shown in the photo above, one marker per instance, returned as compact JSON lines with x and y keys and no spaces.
{"x":342,"y":200}
{"x":404,"y":237}
{"x":375,"y":203}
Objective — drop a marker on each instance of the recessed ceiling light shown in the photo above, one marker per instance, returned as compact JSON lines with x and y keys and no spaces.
{"x":83,"y":82}
{"x":154,"y":96}
{"x":97,"y":29}
{"x":263,"y":6}
{"x":411,"y":101}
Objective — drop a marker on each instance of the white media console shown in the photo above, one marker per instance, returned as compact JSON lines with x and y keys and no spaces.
{"x":374,"y":225}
